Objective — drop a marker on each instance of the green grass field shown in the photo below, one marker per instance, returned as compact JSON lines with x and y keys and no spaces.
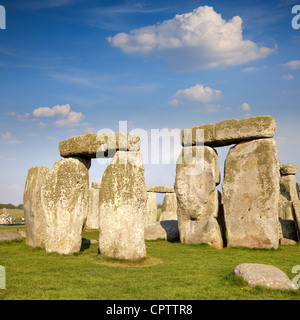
{"x":171,"y":271}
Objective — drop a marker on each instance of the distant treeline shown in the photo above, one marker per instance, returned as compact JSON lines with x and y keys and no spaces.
{"x":11,"y":206}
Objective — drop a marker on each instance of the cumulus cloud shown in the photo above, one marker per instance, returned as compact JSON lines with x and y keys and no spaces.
{"x":245,"y":107}
{"x":68,"y":118}
{"x":295,"y":64}
{"x":197,"y":40}
{"x":51,"y":112}
{"x":72,"y":120}
{"x":197,"y":93}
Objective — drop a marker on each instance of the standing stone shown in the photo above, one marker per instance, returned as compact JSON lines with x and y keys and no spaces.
{"x":65,"y":195}
{"x":34,"y":214}
{"x":150,"y":211}
{"x":197,"y":196}
{"x":289,"y":186}
{"x":169,"y":207}
{"x":288,"y":194}
{"x":92,"y":221}
{"x":123,"y":198}
{"x":251,"y":194}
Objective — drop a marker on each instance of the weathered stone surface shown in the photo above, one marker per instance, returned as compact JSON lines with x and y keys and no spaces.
{"x":296,"y":210}
{"x":287,"y":242}
{"x":94,"y":145}
{"x":288,"y":229}
{"x":167,"y":230}
{"x":92,"y":221}
{"x":251,"y":194}
{"x":169,"y":207}
{"x":288,"y":187}
{"x":34,"y":214}
{"x":150,"y":211}
{"x":65,"y":202}
{"x":9,"y":236}
{"x":96,"y":185}
{"x":231,"y":131}
{"x":263,"y":275}
{"x":160,"y":189}
{"x":289,"y":169}
{"x":197,"y":196}
{"x":285,"y":208}
{"x":123,"y":198}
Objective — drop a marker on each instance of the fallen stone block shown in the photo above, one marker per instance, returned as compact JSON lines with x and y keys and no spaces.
{"x":263,"y":275}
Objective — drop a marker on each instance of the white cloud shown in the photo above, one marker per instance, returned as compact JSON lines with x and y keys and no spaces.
{"x":288,"y":77}
{"x":197,"y":93}
{"x":73,"y":119}
{"x":51,"y":112}
{"x":295,"y":64}
{"x":245,"y":107}
{"x":68,"y":118}
{"x":197,"y":40}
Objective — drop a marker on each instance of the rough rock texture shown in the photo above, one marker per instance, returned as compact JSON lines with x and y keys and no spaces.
{"x":96,"y":185}
{"x":167,"y":230}
{"x":287,"y":242}
{"x":231,"y":131}
{"x":123,"y":198}
{"x":65,"y":195}
{"x":160,"y":189}
{"x":94,"y":145}
{"x":92,"y":221}
{"x":263,"y":275}
{"x":289,"y":187}
{"x":296,"y":210}
{"x":9,"y":236}
{"x":289,"y":169}
{"x":197,"y":196}
{"x":251,"y":194}
{"x":169,"y":207}
{"x":34,"y":213}
{"x":150,"y":211}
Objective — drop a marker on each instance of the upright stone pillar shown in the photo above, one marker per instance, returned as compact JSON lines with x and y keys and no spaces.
{"x":150,"y":211}
{"x":92,"y":221}
{"x":251,"y":194}
{"x":169,"y":207}
{"x":65,"y":195}
{"x":123,"y":198}
{"x":197,"y":174}
{"x":34,"y":214}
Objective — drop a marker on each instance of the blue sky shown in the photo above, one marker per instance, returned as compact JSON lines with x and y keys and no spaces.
{"x":68,"y":67}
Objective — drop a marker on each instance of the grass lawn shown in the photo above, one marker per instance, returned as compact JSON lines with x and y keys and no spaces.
{"x":171,"y":271}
